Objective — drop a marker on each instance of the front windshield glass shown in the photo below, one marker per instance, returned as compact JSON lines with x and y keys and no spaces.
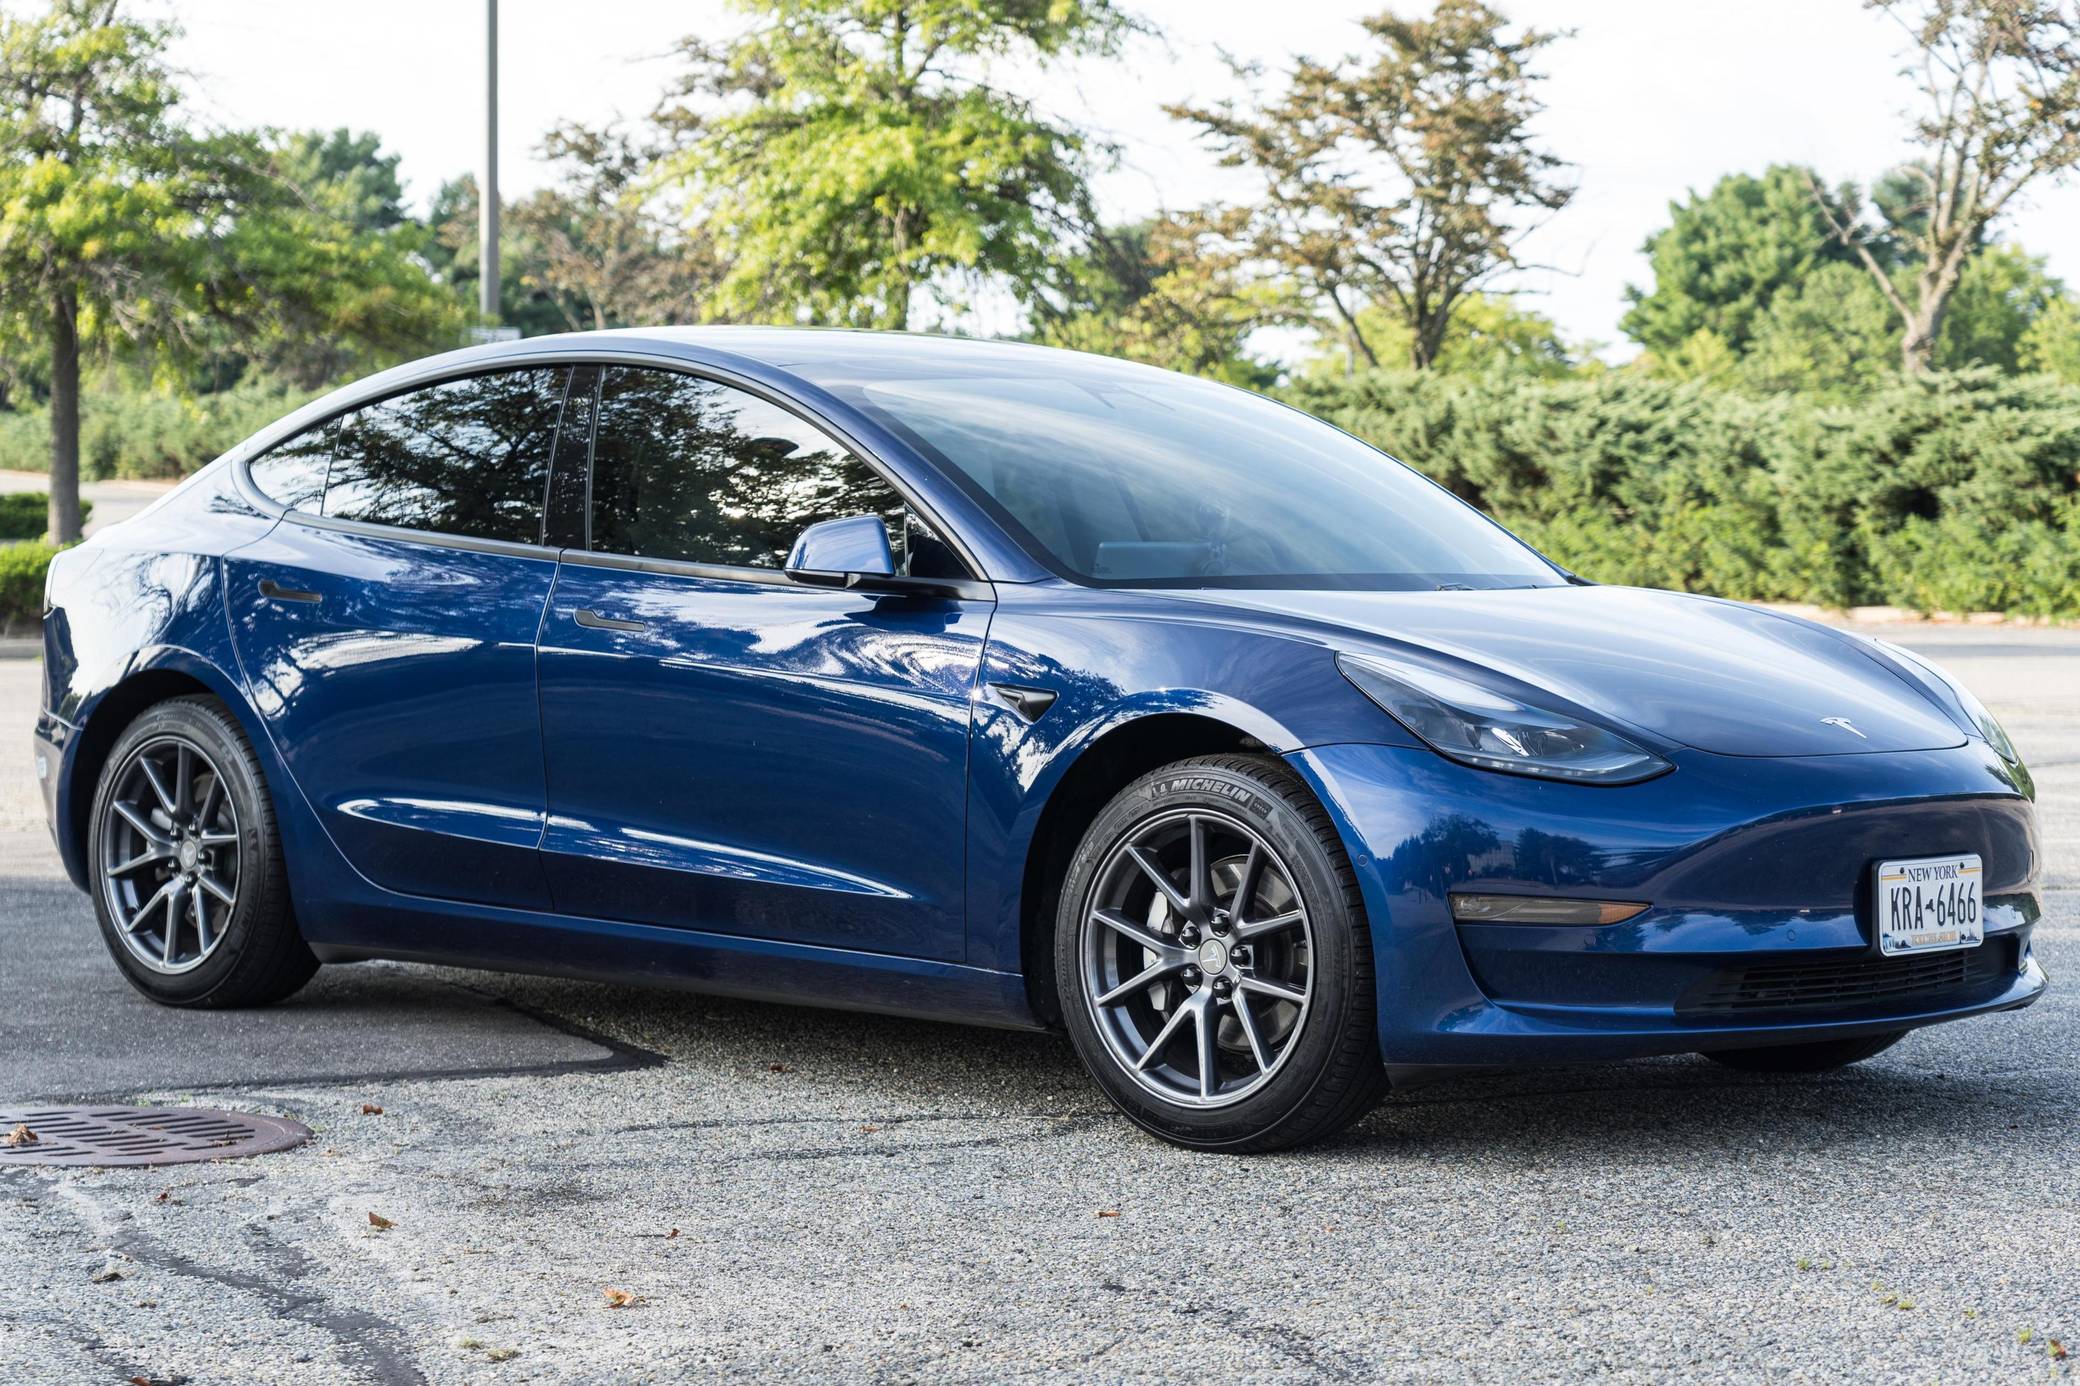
{"x":1133,"y":477}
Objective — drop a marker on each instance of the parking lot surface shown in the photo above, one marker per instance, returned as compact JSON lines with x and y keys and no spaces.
{"x":794,"y":1194}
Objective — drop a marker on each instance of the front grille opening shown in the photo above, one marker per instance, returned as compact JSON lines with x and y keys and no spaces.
{"x":1855,"y":984}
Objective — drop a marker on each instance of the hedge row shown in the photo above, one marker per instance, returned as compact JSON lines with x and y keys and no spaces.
{"x":1961,"y":493}
{"x":22,"y":568}
{"x":128,"y":433}
{"x":26,"y":515}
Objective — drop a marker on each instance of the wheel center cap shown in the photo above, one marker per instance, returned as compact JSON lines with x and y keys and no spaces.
{"x":1213,"y":957}
{"x":190,"y":853}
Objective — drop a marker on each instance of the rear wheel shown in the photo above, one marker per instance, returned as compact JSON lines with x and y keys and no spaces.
{"x":1817,"y":1057}
{"x":187,"y":868}
{"x":1214,"y":963}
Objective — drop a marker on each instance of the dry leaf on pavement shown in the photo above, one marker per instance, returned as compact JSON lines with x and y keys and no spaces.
{"x":619,"y":1299}
{"x":379,"y":1222}
{"x":22,"y":1135}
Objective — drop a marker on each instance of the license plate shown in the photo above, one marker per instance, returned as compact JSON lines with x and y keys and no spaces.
{"x":1929,"y":904}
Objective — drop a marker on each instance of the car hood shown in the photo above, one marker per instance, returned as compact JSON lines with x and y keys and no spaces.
{"x":1718,"y":676}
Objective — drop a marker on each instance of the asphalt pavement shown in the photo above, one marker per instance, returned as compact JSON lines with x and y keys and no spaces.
{"x":822,"y":1196}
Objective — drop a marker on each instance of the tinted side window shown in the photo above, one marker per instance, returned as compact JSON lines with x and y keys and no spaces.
{"x":293,"y":473}
{"x":467,"y":457}
{"x":684,"y":468}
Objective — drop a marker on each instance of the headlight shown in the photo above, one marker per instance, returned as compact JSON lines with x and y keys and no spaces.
{"x":1489,"y":730}
{"x":1951,"y":696}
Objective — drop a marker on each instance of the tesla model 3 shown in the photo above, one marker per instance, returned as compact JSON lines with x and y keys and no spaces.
{"x":1001,"y":685}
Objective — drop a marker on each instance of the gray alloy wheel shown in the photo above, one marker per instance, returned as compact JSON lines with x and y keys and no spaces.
{"x":189,"y":884}
{"x":169,"y":854}
{"x":1196,"y":953}
{"x":1214,"y":962}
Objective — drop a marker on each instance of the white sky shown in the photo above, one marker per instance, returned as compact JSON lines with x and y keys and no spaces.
{"x":1648,"y":98}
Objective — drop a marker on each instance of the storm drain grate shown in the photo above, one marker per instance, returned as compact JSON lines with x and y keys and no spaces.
{"x":138,"y":1135}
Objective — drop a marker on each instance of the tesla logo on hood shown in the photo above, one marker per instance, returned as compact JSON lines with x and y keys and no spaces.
{"x":1845,"y":724}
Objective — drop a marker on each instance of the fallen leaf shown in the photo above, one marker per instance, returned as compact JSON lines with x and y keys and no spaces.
{"x":619,"y":1299}
{"x":671,"y":1234}
{"x":2056,"y":1349}
{"x":140,"y":1381}
{"x":1108,"y":1212}
{"x":868,"y":1130}
{"x":501,"y":1354}
{"x":22,"y":1135}
{"x":379,"y":1222}
{"x":778,"y":1068}
{"x":370,"y":1109}
{"x":162,"y":1195}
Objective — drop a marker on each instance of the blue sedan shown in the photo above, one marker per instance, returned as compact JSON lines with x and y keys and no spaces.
{"x":1009,"y":686}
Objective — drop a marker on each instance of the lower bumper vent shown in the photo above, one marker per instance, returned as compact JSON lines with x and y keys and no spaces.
{"x":1857,"y":984}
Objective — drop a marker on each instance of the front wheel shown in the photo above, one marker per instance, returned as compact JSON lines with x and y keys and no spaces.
{"x":1213,"y":959}
{"x":186,"y":864}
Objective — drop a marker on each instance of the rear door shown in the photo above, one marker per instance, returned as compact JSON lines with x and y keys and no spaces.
{"x":387,"y":629}
{"x":728,"y":750}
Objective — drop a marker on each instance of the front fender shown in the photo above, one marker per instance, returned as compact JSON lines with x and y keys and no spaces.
{"x":1112,"y":659}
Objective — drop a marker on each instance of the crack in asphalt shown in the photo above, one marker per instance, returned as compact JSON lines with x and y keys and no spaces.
{"x":378,"y":1344}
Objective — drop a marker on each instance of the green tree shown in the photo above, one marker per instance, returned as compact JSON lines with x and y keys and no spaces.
{"x":1404,"y":178}
{"x":2052,"y":343}
{"x":123,"y":230}
{"x":2000,"y":85}
{"x":1168,"y":291}
{"x":324,"y":274}
{"x":597,"y":248}
{"x":1490,"y":335}
{"x":102,"y":206}
{"x":852,"y":153}
{"x":1725,"y":254}
{"x":346,"y":174}
{"x":1833,"y":334}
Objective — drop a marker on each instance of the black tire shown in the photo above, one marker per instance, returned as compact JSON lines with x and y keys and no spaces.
{"x":258,"y":956}
{"x":1326,"y":1073}
{"x":1817,"y":1057}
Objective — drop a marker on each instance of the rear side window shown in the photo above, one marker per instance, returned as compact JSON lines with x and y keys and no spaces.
{"x":693,"y":470}
{"x":468,"y":457}
{"x":293,"y":474}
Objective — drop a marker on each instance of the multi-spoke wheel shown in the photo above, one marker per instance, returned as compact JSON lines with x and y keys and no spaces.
{"x":1212,"y":959}
{"x":169,"y":854}
{"x":190,"y":890}
{"x":1195,"y":957}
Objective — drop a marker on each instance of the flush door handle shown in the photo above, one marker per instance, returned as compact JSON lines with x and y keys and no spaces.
{"x":592,"y":620}
{"x":274,"y":591}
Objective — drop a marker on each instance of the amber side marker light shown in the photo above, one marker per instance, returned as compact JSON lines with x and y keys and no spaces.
{"x":1541,"y":909}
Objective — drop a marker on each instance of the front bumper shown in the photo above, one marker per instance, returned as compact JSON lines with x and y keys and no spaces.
{"x":1757,"y":871}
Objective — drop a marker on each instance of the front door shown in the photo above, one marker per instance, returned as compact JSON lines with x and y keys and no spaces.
{"x":727,"y":750}
{"x":386,"y":629}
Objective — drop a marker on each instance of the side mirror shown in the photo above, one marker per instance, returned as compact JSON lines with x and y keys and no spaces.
{"x":843,"y":553}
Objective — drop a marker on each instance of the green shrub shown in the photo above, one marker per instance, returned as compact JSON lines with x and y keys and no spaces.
{"x":26,"y":515}
{"x":1957,"y":493}
{"x":126,"y":432}
{"x":22,"y":567}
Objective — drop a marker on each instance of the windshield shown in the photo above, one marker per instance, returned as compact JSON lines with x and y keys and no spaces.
{"x":1133,"y":477}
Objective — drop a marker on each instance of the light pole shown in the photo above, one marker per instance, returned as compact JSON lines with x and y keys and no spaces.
{"x":487,"y":191}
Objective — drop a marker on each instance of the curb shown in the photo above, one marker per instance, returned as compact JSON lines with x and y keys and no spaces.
{"x":21,"y":649}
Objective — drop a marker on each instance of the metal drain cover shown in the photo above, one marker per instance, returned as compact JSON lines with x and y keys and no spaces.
{"x":139,"y":1135}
